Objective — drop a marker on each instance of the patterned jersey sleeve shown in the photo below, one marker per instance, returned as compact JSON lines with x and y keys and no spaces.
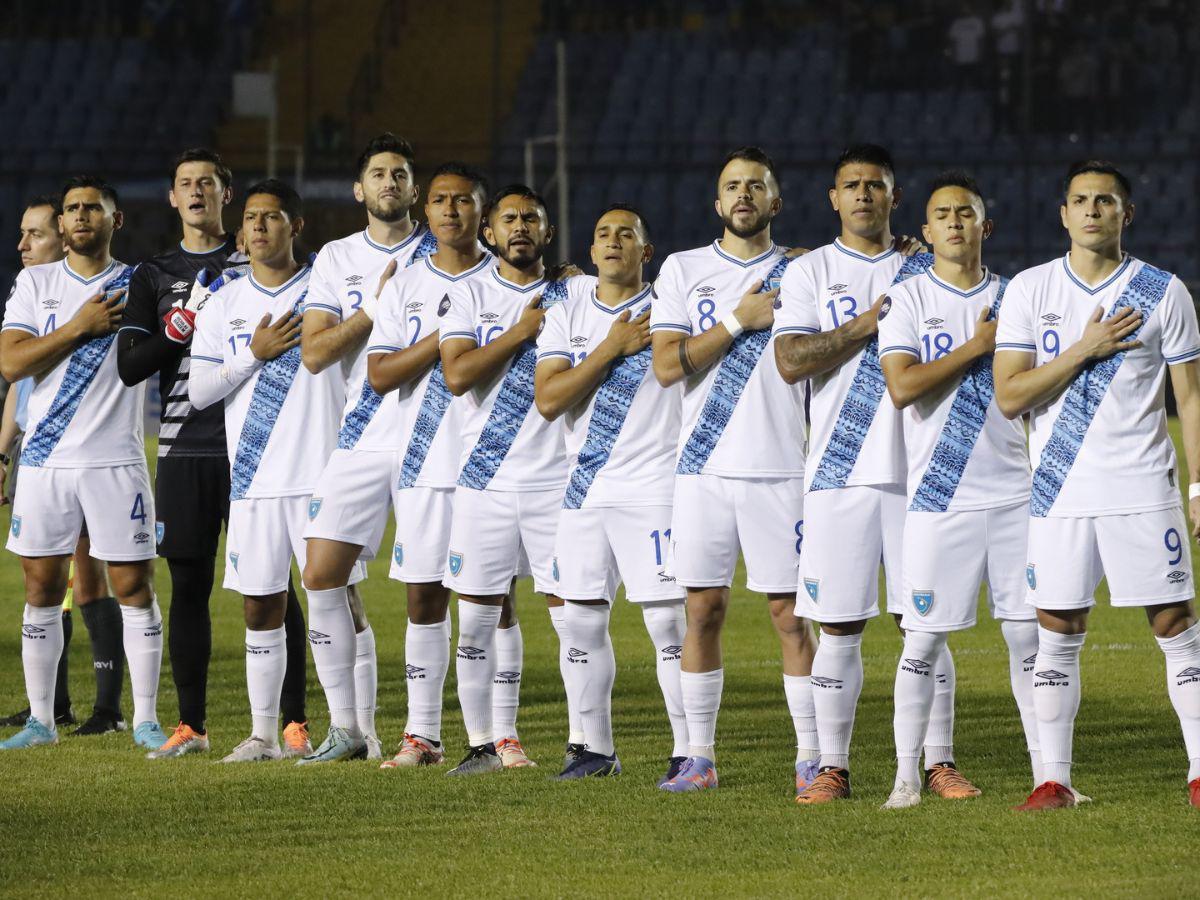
{"x":19,"y":311}
{"x":321,"y":292}
{"x":1180,"y":336}
{"x":668,"y":312}
{"x":1014,"y":326}
{"x":553,"y":342}
{"x":797,"y":312}
{"x":898,"y":324}
{"x":387,"y":334}
{"x":459,"y":320}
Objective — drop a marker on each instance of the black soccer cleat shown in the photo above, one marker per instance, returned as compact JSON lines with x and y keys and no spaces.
{"x":100,"y":723}
{"x":18,"y":719}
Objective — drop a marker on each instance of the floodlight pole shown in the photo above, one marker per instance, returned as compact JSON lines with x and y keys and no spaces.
{"x":562,"y":179}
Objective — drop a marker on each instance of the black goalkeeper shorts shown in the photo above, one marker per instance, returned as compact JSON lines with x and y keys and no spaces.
{"x":191,"y":501}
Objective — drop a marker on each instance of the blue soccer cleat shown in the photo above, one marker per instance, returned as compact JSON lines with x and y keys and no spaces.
{"x":34,"y":734}
{"x":674,"y":764}
{"x":149,"y":735}
{"x":340,"y":744}
{"x":697,"y":774}
{"x":806,"y":773}
{"x":591,"y":765}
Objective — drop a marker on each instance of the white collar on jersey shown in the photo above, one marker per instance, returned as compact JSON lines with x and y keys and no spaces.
{"x":283,"y":287}
{"x":418,"y":228}
{"x":744,"y":263}
{"x":466,"y":273}
{"x":837,"y":242}
{"x":632,"y":301}
{"x":520,"y":288}
{"x":1126,"y":259}
{"x":67,"y":268}
{"x":970,"y":292}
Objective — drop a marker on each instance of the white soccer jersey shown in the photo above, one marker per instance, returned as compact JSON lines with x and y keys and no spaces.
{"x":1124,"y":462}
{"x":80,"y":414}
{"x":621,"y":443}
{"x":281,"y":420}
{"x":507,"y":445}
{"x":962,"y":453}
{"x":740,"y":419}
{"x":860,"y":441}
{"x":344,"y":272}
{"x":429,"y":430}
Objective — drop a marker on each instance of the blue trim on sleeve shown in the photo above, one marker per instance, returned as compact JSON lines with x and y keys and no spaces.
{"x":550,"y":353}
{"x":897,"y":348}
{"x":383,"y":348}
{"x":1032,"y":348}
{"x":333,"y":309}
{"x":1183,"y":357}
{"x":797,"y":329}
{"x":446,"y":335}
{"x":23,"y":327}
{"x":671,"y":326}
{"x":208,"y":358}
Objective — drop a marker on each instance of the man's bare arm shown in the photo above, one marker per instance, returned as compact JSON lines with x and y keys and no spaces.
{"x":387,"y":371}
{"x":324,"y":340}
{"x":802,"y":356}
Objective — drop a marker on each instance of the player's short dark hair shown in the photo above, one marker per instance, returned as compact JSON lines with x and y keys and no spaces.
{"x":515,"y":190}
{"x":752,"y":154}
{"x":959,"y":178}
{"x":629,"y":208}
{"x":107,"y":191}
{"x":870,"y":154}
{"x":1099,"y":167}
{"x":288,"y":198}
{"x":203,"y":154}
{"x":383,"y":143}
{"x":55,"y":203}
{"x":479,"y":182}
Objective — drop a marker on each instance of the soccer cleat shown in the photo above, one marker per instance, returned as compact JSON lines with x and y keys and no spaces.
{"x":100,"y":723}
{"x":1049,"y":795}
{"x":149,"y":735}
{"x":374,"y":746}
{"x":18,"y":719}
{"x":296,"y":744}
{"x":183,"y":740}
{"x":949,"y":783}
{"x":1194,"y":792}
{"x":1079,"y":798}
{"x":253,"y":749}
{"x":512,"y":754}
{"x":904,"y":796}
{"x":806,"y":773}
{"x":697,"y":774}
{"x":479,"y":761}
{"x":591,"y":765}
{"x":573,"y":755}
{"x":674,"y":764}
{"x":415,"y":751}
{"x":339,"y":744}
{"x":830,"y":784}
{"x":34,"y":734}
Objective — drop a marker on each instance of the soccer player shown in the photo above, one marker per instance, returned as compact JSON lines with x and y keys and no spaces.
{"x":351,"y":499}
{"x":968,"y":471}
{"x":1083,"y":346}
{"x":621,"y":429}
{"x":513,"y":470}
{"x":280,"y":424}
{"x":192,"y":479}
{"x":403,"y":357}
{"x":84,"y":460}
{"x":854,"y":501}
{"x":740,"y":453}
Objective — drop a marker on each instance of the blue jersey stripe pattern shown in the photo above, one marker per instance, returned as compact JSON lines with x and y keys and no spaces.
{"x":732,"y":374}
{"x":1143,"y":293}
{"x":364,"y":410}
{"x":862,"y":400}
{"x":429,"y":418}
{"x":962,"y":428}
{"x":513,"y":402}
{"x":81,"y":371}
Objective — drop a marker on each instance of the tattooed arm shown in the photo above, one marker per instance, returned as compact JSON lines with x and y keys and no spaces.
{"x":802,"y":356}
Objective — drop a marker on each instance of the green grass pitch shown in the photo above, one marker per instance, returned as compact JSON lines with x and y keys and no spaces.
{"x":92,"y":816}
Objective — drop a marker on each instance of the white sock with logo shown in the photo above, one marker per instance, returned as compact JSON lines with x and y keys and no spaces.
{"x":837,"y":679}
{"x":570,"y":683}
{"x":475,"y":665}
{"x":142,"y":634}
{"x":366,"y":680}
{"x":1022,"y":640}
{"x":41,"y":646}
{"x":799,"y":693}
{"x":266,"y":662}
{"x":666,"y":623}
{"x":916,"y":685}
{"x":701,"y":703}
{"x":1056,"y":700}
{"x":331,"y":639}
{"x":1183,"y":687}
{"x":426,"y":661}
{"x":506,"y":684}
{"x":939,"y":739}
{"x":592,"y":657}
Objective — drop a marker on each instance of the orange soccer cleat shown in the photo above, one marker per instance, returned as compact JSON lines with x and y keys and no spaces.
{"x":1048,"y":795}
{"x":830,"y":784}
{"x":183,"y":740}
{"x":295,"y":741}
{"x":415,"y":751}
{"x":512,"y":754}
{"x":949,"y":783}
{"x":1194,"y":792}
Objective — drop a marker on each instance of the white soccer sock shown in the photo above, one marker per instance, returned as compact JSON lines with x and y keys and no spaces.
{"x":798,"y":691}
{"x":701,"y":701}
{"x":666,"y":623}
{"x":366,"y":680}
{"x":1183,"y":687}
{"x":939,"y":739}
{"x":592,"y":655}
{"x":1056,"y":700}
{"x":266,"y":661}
{"x":426,"y":661}
{"x":916,"y":685}
{"x":41,"y":646}
{"x":142,"y":634}
{"x":837,"y":674}
{"x":570,"y":682}
{"x":331,"y":638}
{"x":475,"y":665}
{"x":1022,"y":641}
{"x":506,"y":684}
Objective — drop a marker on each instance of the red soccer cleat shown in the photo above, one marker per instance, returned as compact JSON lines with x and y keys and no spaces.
{"x":1194,"y":792}
{"x":1048,"y":795}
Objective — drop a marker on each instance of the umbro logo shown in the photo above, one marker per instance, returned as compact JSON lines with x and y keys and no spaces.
{"x":414,"y":305}
{"x":414,"y":671}
{"x":918,"y":664}
{"x":505,"y":678}
{"x":578,"y":340}
{"x":255,"y":650}
{"x":33,"y":632}
{"x":664,"y":577}
{"x":1177,"y":576}
{"x":1030,"y":660}
{"x":823,"y":682}
{"x":673,"y":649}
{"x":1050,"y":678}
{"x":51,"y":304}
{"x":238,"y":323}
{"x":153,"y":632}
{"x":838,"y":288}
{"x":489,"y":316}
{"x":1051,"y":675}
{"x":1051,"y":318}
{"x":471,"y":653}
{"x":354,"y":279}
{"x":141,"y":537}
{"x":935,"y":322}
{"x":575,"y":655}
{"x":317,"y":637}
{"x":180,"y":286}
{"x":1190,"y":675}
{"x":706,"y":289}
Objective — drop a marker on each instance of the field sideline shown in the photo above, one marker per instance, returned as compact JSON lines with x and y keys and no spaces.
{"x":91,"y":816}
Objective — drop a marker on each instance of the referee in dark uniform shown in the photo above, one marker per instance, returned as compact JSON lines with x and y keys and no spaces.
{"x":192,"y":481}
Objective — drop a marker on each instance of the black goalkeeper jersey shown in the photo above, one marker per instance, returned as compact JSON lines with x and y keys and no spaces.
{"x":143,"y":348}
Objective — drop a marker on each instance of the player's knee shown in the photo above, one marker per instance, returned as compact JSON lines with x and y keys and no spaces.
{"x":1171,"y":620}
{"x":266,"y":612}
{"x":706,"y":613}
{"x":131,"y":582}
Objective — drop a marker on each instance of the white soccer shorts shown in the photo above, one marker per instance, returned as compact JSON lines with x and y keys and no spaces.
{"x":498,"y":535}
{"x":115,"y":502}
{"x":353,"y":497}
{"x":599,"y":548}
{"x":847,"y":532}
{"x":715,"y":516}
{"x":264,"y":536}
{"x":948,"y":555}
{"x":423,"y":517}
{"x":1145,"y":556}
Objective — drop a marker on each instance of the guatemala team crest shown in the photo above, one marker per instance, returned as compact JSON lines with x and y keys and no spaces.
{"x":16,"y":526}
{"x":813,"y":587}
{"x":456,"y":561}
{"x":160,"y":529}
{"x":314,"y":507}
{"x":233,"y":559}
{"x":554,"y":568}
{"x":398,"y":554}
{"x":923,"y":601}
{"x":1031,"y":577}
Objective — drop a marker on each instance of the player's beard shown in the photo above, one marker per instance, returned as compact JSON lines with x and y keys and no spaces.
{"x":389,"y":214}
{"x":86,"y":245}
{"x":756,"y":227}
{"x":522,"y":263}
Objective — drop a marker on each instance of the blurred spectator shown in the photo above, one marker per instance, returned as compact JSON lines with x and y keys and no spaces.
{"x":966,"y":35}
